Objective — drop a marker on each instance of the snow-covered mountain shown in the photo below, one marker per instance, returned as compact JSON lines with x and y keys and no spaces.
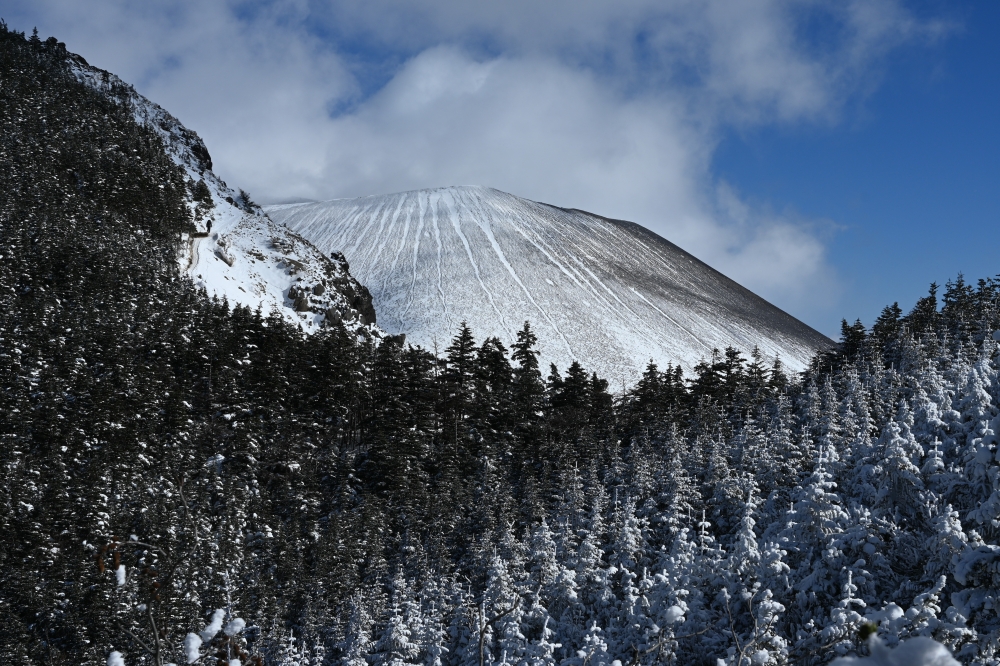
{"x":237,"y":252}
{"x":608,"y":293}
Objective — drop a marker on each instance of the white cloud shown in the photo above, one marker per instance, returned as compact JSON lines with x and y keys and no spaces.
{"x":529,"y":124}
{"x":783,"y":255}
{"x":610,"y":107}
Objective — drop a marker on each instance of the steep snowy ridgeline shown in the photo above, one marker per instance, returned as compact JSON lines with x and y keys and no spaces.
{"x":238,"y":252}
{"x":610,"y":294}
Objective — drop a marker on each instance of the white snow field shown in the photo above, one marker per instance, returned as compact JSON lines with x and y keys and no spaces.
{"x":610,"y":294}
{"x":238,"y":252}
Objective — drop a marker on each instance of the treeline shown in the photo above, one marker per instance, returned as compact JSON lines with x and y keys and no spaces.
{"x":163,"y":456}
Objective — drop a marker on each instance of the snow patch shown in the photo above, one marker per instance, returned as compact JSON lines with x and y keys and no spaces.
{"x":919,"y":651}
{"x":214,"y":626}
{"x":235,"y":626}
{"x":192,"y":645}
{"x":674,"y":614}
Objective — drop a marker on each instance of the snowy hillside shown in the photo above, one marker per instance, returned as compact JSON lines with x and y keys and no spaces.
{"x":237,"y":252}
{"x":610,"y":294}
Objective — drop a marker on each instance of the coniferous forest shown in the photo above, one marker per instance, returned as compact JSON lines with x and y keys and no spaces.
{"x":183,"y":481}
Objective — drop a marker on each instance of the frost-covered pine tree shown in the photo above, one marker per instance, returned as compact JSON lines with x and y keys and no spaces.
{"x":397,"y":646}
{"x":357,"y":641}
{"x":901,"y":494}
{"x":813,"y":525}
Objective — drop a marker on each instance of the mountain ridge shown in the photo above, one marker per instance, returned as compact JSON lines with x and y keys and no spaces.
{"x":236,"y":251}
{"x":608,"y":293}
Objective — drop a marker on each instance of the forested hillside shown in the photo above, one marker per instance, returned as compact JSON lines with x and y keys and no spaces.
{"x":183,"y":481}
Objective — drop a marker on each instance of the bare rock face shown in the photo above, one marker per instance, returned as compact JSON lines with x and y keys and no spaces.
{"x":200,"y":152}
{"x":363,"y":304}
{"x":340,"y":259}
{"x":607,"y":293}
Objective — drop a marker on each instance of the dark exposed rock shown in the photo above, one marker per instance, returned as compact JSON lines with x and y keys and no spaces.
{"x":362,"y":302}
{"x":341,"y":259}
{"x":199,"y":150}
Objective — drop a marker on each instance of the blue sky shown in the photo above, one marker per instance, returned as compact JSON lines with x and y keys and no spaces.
{"x":832,"y":156}
{"x":911,"y":176}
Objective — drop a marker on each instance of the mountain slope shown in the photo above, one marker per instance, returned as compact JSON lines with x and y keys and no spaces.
{"x":235,"y":251}
{"x":608,"y":293}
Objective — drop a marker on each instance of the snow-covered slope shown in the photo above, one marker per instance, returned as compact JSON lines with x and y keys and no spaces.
{"x":237,"y":252}
{"x":610,"y":294}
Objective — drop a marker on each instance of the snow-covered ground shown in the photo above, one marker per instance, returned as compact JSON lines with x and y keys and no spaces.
{"x":238,"y":252}
{"x":610,"y":294}
{"x":919,"y":651}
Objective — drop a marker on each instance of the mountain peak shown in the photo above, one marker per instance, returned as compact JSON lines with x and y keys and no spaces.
{"x":607,"y":293}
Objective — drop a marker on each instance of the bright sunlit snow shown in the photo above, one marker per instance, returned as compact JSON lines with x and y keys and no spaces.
{"x":919,"y":651}
{"x":609,"y":294}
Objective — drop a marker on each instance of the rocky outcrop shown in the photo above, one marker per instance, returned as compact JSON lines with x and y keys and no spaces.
{"x":235,"y":251}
